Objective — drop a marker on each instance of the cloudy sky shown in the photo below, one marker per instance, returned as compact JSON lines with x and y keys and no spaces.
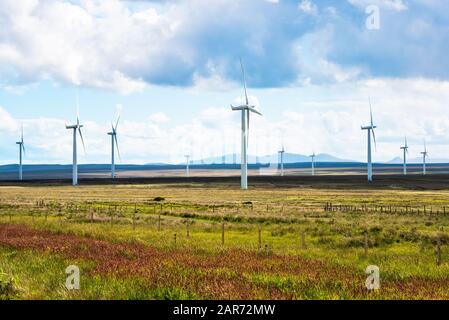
{"x":171,"y":69}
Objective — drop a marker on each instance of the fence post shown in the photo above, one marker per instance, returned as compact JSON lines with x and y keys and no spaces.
{"x":438,"y":251}
{"x":187,"y":229}
{"x":222,"y":233}
{"x":259,"y":236}
{"x":303,"y":240}
{"x":366,"y":243}
{"x":134,"y":221}
{"x":159,"y":223}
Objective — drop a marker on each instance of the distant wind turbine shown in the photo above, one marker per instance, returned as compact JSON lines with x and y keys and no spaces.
{"x":281,"y":155}
{"x":405,"y":150}
{"x":425,"y":154}
{"x":370,"y":129}
{"x":76,"y":129}
{"x":21,"y":153}
{"x":187,"y":165}
{"x":114,"y":143}
{"x":312,"y":156}
{"x":245,"y":109}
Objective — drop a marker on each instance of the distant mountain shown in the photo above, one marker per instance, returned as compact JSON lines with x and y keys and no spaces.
{"x":395,"y":160}
{"x":398,"y":160}
{"x":273,"y":158}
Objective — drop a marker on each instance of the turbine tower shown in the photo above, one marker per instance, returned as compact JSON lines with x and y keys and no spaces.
{"x":370,"y":129}
{"x":21,"y":153}
{"x":76,"y":129}
{"x":281,"y":155}
{"x":114,"y":143}
{"x":187,"y":165}
{"x":246,"y":109}
{"x":425,"y":154}
{"x":312,"y":156}
{"x":405,"y":150}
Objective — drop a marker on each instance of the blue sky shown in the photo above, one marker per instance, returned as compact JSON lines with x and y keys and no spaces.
{"x":171,"y":69}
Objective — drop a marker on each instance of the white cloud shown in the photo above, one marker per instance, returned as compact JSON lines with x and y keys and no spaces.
{"x":159,"y":117}
{"x":308,"y":7}
{"x":7,"y":123}
{"x":397,"y":5}
{"x":321,"y":119}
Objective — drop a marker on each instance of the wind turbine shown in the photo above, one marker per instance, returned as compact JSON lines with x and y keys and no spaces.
{"x":370,"y":129}
{"x":281,"y":155}
{"x":76,"y":128}
{"x":405,"y":150}
{"x":114,"y":142}
{"x":312,"y":156}
{"x":21,"y":149}
{"x":245,"y":109}
{"x":187,"y":165}
{"x":425,"y":154}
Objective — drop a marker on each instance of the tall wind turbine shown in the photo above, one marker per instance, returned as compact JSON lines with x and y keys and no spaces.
{"x":246,"y":109}
{"x":405,"y":150}
{"x":187,"y":165}
{"x":76,"y":129}
{"x":114,"y":143}
{"x":370,"y":129}
{"x":312,"y":156}
{"x":281,"y":156}
{"x":21,"y":153}
{"x":424,"y":156}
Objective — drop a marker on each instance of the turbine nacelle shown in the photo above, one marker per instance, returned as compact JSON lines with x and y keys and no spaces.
{"x":246,"y":107}
{"x":75,"y":126}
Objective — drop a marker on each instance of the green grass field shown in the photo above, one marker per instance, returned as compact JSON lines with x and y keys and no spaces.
{"x":279,"y":243}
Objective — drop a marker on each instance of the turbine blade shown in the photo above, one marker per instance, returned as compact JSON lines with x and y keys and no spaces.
{"x":375,"y":142}
{"x":371,"y":112}
{"x":118,"y":149}
{"x":255,"y":111}
{"x":77,"y":104}
{"x":244,"y":81}
{"x":116,"y":124}
{"x":82,"y":139}
{"x":23,"y":148}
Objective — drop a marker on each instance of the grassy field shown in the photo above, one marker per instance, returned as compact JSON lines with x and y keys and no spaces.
{"x":196,"y":241}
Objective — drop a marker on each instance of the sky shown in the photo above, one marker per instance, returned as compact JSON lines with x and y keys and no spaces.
{"x":171,"y":69}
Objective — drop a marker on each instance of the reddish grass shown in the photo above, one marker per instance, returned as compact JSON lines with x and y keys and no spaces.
{"x":225,"y":275}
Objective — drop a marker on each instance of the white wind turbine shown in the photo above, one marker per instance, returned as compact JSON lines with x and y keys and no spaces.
{"x":405,"y":150}
{"x":245,"y":109}
{"x":370,"y":129}
{"x":76,"y":128}
{"x":425,"y":154}
{"x":114,"y":143}
{"x":312,"y":157}
{"x":187,"y":165}
{"x":281,"y":156}
{"x":21,"y":153}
